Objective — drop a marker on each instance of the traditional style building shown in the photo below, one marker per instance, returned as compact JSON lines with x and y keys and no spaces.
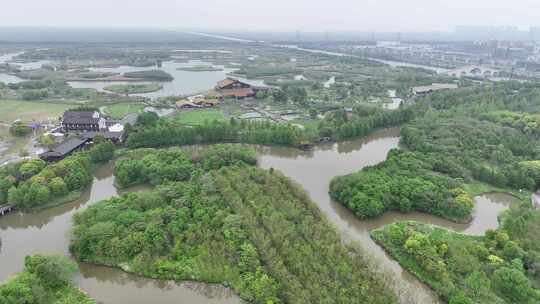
{"x":64,"y":149}
{"x":234,"y":88}
{"x":83,"y":121}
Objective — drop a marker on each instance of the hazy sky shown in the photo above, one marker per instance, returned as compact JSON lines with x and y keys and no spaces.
{"x":316,"y":15}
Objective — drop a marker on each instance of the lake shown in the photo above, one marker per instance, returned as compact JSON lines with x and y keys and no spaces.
{"x":184,"y":83}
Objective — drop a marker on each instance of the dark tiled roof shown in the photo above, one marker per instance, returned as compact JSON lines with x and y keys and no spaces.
{"x":107,"y":135}
{"x":79,"y":117}
{"x":67,"y":146}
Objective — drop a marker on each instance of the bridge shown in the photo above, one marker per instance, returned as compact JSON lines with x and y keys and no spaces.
{"x":474,"y":70}
{"x":6,"y":208}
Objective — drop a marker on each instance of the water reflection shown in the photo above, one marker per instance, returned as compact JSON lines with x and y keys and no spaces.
{"x":45,"y":231}
{"x":110,"y":285}
{"x":314,"y":170}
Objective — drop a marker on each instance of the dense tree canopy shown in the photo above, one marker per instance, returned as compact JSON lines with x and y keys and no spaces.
{"x":462,"y":269}
{"x":226,"y":222}
{"x":45,"y":280}
{"x":440,"y":153}
{"x":33,"y":183}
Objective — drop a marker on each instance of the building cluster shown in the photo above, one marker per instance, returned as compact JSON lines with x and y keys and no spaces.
{"x":234,"y":88}
{"x":496,"y":56}
{"x":229,"y":88}
{"x":78,"y":128}
{"x":197,"y":102}
{"x":426,"y":90}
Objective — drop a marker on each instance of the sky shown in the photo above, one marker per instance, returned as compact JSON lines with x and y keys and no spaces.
{"x":272,"y":15}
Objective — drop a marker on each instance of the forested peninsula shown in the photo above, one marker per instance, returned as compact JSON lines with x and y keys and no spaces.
{"x":213,"y":217}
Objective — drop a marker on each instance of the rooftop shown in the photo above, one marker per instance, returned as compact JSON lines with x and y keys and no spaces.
{"x":81,"y":117}
{"x":226,"y":82}
{"x":66,"y":147}
{"x":435,"y":87}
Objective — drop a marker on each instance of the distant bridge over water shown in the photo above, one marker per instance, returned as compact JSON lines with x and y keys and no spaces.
{"x":474,"y":70}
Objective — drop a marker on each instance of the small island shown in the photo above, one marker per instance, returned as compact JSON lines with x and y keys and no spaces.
{"x":201,"y":68}
{"x":134,"y":88}
{"x":151,"y":75}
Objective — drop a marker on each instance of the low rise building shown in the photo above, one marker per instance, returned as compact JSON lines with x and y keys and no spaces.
{"x":426,"y":90}
{"x":63,"y":149}
{"x":234,"y":88}
{"x":83,"y":121}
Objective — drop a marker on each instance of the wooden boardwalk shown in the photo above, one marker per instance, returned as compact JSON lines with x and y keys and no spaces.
{"x":6,"y":208}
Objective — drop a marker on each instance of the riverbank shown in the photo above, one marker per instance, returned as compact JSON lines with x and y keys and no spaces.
{"x":45,"y":278}
{"x":134,"y":88}
{"x":46,"y":230}
{"x":460,"y":268}
{"x":232,"y":242}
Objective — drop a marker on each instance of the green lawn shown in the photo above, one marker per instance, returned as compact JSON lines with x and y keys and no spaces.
{"x":120,"y":110}
{"x":27,"y":111}
{"x":197,"y":117}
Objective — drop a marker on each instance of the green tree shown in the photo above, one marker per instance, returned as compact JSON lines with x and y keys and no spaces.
{"x":147,"y":119}
{"x":19,"y":129}
{"x":31,"y":168}
{"x":47,"y":140}
{"x":53,"y":270}
{"x":58,"y":186}
{"x":512,"y":284}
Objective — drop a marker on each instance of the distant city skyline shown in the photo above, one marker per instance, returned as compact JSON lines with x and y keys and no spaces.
{"x":276,"y":15}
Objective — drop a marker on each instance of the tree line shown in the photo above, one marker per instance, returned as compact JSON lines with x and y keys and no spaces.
{"x":338,"y":125}
{"x":35,"y":183}
{"x":452,"y":140}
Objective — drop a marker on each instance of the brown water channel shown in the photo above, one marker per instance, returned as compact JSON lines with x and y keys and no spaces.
{"x":47,"y":231}
{"x":314,"y":170}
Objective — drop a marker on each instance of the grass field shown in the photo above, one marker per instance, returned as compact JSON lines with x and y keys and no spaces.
{"x":134,"y":88}
{"x":197,"y":117}
{"x":27,"y":111}
{"x":120,"y":110}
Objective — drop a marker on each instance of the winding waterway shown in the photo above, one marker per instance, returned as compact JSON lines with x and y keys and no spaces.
{"x":314,"y":170}
{"x":47,"y":231}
